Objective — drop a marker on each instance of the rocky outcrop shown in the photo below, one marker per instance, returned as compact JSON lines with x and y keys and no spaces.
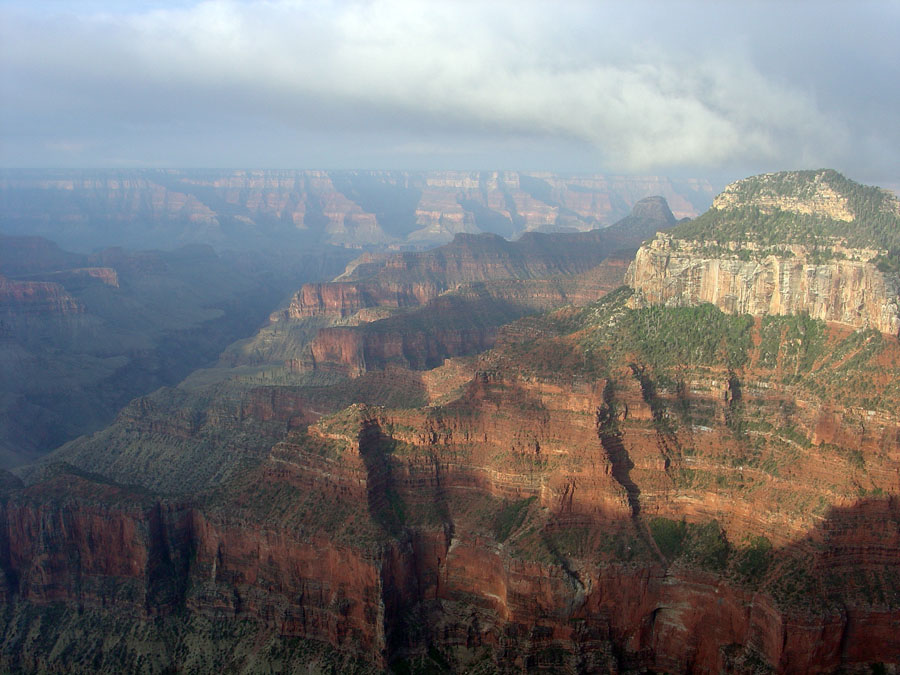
{"x":852,"y":292}
{"x":36,"y":299}
{"x":815,"y":196}
{"x":611,"y":488}
{"x":405,"y":309}
{"x":351,"y":352}
{"x":784,"y":243}
{"x":574,"y":504}
{"x":538,"y":272}
{"x":340,"y":300}
{"x":80,"y":276}
{"x":457,"y":324}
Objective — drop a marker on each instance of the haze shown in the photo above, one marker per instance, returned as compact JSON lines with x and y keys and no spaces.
{"x":686,"y":88}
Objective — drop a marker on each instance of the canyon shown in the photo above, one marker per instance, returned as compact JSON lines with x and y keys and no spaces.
{"x":83,"y":334}
{"x":281,"y":210}
{"x":494,"y":457}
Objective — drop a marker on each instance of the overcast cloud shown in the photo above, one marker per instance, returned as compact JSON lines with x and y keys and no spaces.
{"x":665,"y":87}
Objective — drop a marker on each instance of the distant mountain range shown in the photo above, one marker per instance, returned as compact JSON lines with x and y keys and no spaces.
{"x":84,"y":209}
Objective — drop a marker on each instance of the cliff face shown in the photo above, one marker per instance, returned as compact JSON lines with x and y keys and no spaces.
{"x":565,"y":506}
{"x":83,"y":334}
{"x":36,"y":298}
{"x":682,"y":273}
{"x":813,"y":196}
{"x":615,"y":487}
{"x":783,"y":244}
{"x":407,"y":280}
{"x":459,"y":323}
{"x":82,"y":276}
{"x":340,"y":300}
{"x":406,"y":308}
{"x":543,"y":518}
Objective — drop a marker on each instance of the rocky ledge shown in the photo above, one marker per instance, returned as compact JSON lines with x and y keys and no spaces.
{"x":851,"y":290}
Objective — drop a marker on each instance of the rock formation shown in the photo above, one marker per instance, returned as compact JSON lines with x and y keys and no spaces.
{"x":758,"y":251}
{"x":641,"y":483}
{"x":417,"y":308}
{"x":35,"y":298}
{"x":567,"y":508}
{"x":82,"y":334}
{"x":682,"y":273}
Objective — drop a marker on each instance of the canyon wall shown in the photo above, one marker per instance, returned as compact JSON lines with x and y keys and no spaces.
{"x":852,"y":292}
{"x":697,"y":474}
{"x":36,"y":298}
{"x":507,"y":528}
{"x":546,"y":514}
{"x":784,"y":243}
{"x":417,"y":308}
{"x":83,"y":334}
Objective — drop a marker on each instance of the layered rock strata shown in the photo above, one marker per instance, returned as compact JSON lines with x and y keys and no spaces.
{"x":290,"y":209}
{"x":850,"y":291}
{"x":783,"y":243}
{"x":565,"y":507}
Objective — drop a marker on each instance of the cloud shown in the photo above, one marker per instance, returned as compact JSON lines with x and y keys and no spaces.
{"x":67,"y":145}
{"x":581,"y":73}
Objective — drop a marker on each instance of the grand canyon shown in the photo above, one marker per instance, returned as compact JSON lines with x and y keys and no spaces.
{"x":540,"y":423}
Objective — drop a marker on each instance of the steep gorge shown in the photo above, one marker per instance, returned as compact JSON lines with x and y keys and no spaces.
{"x":494,"y":529}
{"x":629,"y":485}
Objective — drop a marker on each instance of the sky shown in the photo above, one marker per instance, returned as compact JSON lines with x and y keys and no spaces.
{"x":676,"y":87}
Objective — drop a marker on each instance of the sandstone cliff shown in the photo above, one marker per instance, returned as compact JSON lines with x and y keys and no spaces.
{"x":407,"y":308}
{"x":682,"y":273}
{"x":670,"y":489}
{"x":615,"y":487}
{"x":783,"y":244}
{"x":35,"y":298}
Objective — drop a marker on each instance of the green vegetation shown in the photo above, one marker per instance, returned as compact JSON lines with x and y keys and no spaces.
{"x":889,"y":263}
{"x":707,"y":546}
{"x":666,"y":336}
{"x":749,"y":224}
{"x":669,"y":536}
{"x":82,"y":640}
{"x":753,"y":561}
{"x":852,"y":372}
{"x":876,"y":221}
{"x":510,"y":517}
{"x":564,"y":543}
{"x":797,"y":342}
{"x":660,"y":343}
{"x":703,"y":544}
{"x":795,"y":583}
{"x":662,"y":337}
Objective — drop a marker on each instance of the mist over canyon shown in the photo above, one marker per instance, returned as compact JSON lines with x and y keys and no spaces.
{"x":279,"y":210}
{"x":485,"y":422}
